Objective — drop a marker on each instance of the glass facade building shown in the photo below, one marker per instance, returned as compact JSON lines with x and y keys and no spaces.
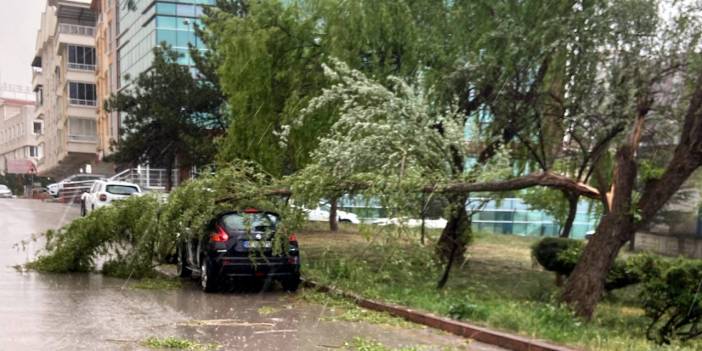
{"x":148,"y":24}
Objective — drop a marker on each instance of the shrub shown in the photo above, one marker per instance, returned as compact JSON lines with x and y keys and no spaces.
{"x":557,"y":255}
{"x":671,"y":297}
{"x":560,"y":255}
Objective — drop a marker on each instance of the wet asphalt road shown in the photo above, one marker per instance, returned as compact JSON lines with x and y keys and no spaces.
{"x":91,"y":312}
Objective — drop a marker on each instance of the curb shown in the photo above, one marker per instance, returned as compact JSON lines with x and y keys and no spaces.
{"x":482,"y":334}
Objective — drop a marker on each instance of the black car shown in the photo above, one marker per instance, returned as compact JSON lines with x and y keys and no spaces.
{"x":239,"y":245}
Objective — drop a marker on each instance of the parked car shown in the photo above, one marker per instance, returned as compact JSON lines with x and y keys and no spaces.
{"x":55,"y":188}
{"x":239,"y":245}
{"x":5,"y":192}
{"x":321,"y":214}
{"x":104,"y":192}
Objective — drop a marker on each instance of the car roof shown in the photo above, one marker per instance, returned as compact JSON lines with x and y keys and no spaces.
{"x":117,"y":182}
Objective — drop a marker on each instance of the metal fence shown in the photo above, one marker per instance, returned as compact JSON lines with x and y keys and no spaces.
{"x":146,"y":177}
{"x":75,"y":29}
{"x":71,"y":191}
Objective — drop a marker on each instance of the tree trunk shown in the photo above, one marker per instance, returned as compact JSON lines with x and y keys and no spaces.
{"x":169,"y":175}
{"x":572,"y":212}
{"x":447,"y":269}
{"x":585,"y":286}
{"x":455,"y":234}
{"x":333,"y":216}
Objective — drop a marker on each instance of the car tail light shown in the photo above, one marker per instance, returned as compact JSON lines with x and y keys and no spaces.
{"x":219,"y":236}
{"x":103,"y":197}
{"x":293,"y":237}
{"x":293,"y":260}
{"x":251,"y":210}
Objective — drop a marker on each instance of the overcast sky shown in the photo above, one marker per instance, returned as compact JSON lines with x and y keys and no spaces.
{"x":19,"y":22}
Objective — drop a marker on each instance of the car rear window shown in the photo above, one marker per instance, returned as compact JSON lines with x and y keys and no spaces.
{"x":254,"y":221}
{"x":121,"y":189}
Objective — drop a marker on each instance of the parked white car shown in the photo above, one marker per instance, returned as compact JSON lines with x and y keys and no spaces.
{"x":55,"y":188}
{"x":105,"y":192}
{"x":321,"y":214}
{"x":5,"y":192}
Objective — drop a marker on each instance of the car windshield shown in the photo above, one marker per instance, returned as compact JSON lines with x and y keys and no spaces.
{"x":121,"y":189}
{"x":255,"y":221}
{"x":4,"y":187}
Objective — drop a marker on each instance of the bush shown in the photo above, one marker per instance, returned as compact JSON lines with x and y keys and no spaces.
{"x":560,"y":255}
{"x":671,"y":297}
{"x":557,"y":255}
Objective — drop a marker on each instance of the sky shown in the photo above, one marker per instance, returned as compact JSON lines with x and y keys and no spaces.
{"x":19,"y":22}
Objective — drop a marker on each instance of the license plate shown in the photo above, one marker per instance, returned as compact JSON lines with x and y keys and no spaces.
{"x":257,"y":244}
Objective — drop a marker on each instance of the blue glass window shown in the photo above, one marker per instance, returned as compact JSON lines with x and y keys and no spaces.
{"x":169,"y":36}
{"x":166,"y":22}
{"x":166,"y":9}
{"x":185,"y":10}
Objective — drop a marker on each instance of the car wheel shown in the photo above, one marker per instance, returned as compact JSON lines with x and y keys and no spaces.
{"x":181,"y":264}
{"x":291,"y":284}
{"x":345,"y":220}
{"x":208,"y":277}
{"x":83,"y":212}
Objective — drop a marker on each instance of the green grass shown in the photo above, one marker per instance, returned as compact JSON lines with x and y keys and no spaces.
{"x":497,"y":286}
{"x":174,"y":343}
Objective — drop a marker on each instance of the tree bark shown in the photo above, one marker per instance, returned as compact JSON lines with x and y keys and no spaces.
{"x":169,"y":175}
{"x":572,"y":212}
{"x":333,"y":216}
{"x":454,"y":237}
{"x":585,"y":286}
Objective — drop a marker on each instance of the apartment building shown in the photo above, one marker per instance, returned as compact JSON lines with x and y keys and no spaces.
{"x":19,"y":132}
{"x":64,"y":79}
{"x":106,"y":73}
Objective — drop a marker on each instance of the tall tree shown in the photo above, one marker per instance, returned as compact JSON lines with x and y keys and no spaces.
{"x":165,"y":117}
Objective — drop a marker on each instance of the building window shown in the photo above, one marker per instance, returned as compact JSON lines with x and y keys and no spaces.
{"x":81,"y":58}
{"x":82,"y":129}
{"x":38,"y":128}
{"x":33,"y":151}
{"x":82,"y":94}
{"x":39,"y":95}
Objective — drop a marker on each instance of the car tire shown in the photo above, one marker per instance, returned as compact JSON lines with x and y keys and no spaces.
{"x":208,"y":277}
{"x":345,"y":220}
{"x":181,"y":264}
{"x":291,"y":284}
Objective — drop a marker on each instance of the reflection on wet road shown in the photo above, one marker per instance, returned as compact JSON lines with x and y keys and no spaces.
{"x":91,"y":312}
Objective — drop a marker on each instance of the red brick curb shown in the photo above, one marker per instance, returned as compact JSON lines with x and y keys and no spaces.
{"x":505,"y":340}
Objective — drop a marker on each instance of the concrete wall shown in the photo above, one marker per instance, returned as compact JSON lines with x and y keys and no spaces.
{"x":669,"y":245}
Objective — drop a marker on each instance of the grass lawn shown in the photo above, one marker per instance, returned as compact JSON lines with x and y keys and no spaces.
{"x":497,"y":286}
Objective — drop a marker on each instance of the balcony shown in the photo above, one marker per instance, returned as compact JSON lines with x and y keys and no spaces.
{"x":75,"y":29}
{"x":74,"y":34}
{"x":81,"y":67}
{"x":82,"y":102}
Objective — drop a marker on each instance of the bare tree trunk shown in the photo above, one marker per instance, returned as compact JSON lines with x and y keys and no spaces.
{"x":333,"y":216}
{"x":169,"y":175}
{"x":454,"y":235}
{"x":447,"y":269}
{"x":572,"y":212}
{"x":585,"y":286}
